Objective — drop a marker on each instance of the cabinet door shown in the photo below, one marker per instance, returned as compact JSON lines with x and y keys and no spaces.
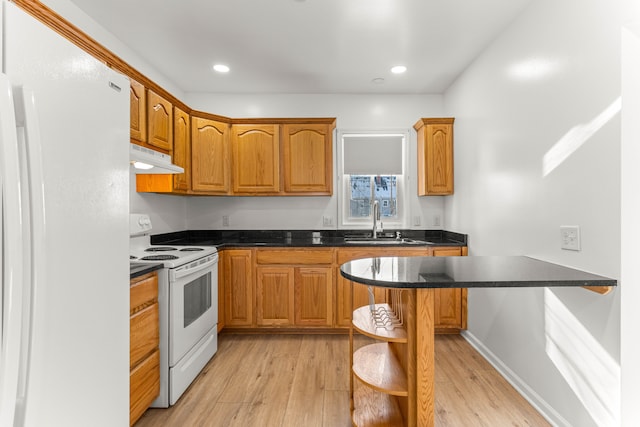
{"x":255,"y":159}
{"x":144,"y":334}
{"x":221,"y":290}
{"x":274,"y":296}
{"x":238,"y":287}
{"x":138,"y":111}
{"x":182,"y":150}
{"x":449,"y":302}
{"x":160,"y":122}
{"x":435,"y":156}
{"x":181,"y":156}
{"x":313,"y":296}
{"x":308,"y":159}
{"x":144,"y":386}
{"x":209,"y":156}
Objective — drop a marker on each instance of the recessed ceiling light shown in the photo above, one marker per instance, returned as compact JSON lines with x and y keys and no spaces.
{"x":377,"y":81}
{"x":398,"y":69}
{"x":221,"y":68}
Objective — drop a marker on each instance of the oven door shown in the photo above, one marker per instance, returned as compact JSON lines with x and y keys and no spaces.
{"x":193,"y":307}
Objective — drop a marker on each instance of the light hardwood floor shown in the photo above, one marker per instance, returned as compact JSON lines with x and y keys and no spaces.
{"x":303,"y":380}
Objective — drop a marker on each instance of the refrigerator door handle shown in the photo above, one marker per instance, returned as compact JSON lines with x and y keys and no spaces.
{"x":12,"y":235}
{"x":28,"y":133}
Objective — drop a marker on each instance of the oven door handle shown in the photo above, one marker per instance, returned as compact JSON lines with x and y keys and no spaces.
{"x":187,"y":270}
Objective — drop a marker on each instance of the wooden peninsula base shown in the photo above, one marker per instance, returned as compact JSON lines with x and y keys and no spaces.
{"x":397,"y":372}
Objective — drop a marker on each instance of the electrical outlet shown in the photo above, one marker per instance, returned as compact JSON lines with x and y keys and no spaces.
{"x":327,"y":221}
{"x":570,"y":237}
{"x":436,"y":220}
{"x":225,"y":220}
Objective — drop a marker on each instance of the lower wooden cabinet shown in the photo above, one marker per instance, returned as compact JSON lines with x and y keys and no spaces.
{"x":313,"y":296}
{"x":303,"y":288}
{"x":450,"y":306}
{"x":144,"y":386}
{"x":144,"y":356}
{"x":294,"y":287}
{"x":237,"y":273}
{"x":274,"y":296}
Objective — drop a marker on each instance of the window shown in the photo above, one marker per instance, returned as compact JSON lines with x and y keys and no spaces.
{"x":366,"y":188}
{"x":371,"y":167}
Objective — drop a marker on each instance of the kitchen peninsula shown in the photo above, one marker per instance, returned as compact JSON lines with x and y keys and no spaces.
{"x":398,"y":372}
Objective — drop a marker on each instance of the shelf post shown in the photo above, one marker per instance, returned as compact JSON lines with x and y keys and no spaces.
{"x":425,"y":355}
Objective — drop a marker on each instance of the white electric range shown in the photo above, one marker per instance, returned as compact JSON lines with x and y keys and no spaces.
{"x":188,"y":306}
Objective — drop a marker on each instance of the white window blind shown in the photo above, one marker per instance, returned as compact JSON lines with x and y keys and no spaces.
{"x":372,"y":154}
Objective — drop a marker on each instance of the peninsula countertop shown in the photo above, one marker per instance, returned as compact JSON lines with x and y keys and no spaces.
{"x":467,"y":272}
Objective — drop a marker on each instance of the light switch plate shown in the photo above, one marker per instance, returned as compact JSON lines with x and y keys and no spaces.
{"x":570,"y":237}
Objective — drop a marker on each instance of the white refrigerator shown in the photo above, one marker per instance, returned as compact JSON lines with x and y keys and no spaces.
{"x":64,"y":174}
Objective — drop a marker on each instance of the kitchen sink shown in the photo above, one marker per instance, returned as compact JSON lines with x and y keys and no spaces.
{"x":382,"y":241}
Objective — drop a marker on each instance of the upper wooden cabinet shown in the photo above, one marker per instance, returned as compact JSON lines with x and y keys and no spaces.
{"x":209,"y":156}
{"x":174,"y":183}
{"x":182,"y":150}
{"x":286,"y":157}
{"x":138,"y":112}
{"x":255,"y":158}
{"x":308,"y":158}
{"x":435,"y":156}
{"x":159,"y":122}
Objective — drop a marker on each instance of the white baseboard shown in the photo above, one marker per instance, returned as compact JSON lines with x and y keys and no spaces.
{"x":546,"y":410}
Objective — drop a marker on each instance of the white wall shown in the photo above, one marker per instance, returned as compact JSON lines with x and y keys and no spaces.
{"x":167,"y":213}
{"x":630,"y":274}
{"x":354,"y":113}
{"x":552,"y":79}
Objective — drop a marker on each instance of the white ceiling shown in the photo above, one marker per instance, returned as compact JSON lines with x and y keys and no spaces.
{"x":307,"y":46}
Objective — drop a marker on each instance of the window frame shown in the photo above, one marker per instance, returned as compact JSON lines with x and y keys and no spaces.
{"x":403,"y":204}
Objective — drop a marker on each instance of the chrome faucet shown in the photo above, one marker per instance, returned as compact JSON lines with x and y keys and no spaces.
{"x":377,"y":224}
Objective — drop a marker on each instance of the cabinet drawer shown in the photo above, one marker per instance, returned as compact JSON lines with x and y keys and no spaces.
{"x":294,"y":257}
{"x":143,"y":289}
{"x":144,"y":333}
{"x":345,"y":255}
{"x":144,"y":386}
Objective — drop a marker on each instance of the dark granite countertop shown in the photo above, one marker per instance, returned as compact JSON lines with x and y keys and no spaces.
{"x":305,"y":238}
{"x":137,"y":269}
{"x":466,"y":272}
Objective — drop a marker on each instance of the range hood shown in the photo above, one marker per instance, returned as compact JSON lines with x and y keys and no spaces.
{"x":144,"y":161}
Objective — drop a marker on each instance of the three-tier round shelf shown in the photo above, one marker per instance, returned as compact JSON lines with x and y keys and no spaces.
{"x":385,"y":392}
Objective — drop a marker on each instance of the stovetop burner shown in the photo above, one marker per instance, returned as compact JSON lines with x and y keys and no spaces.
{"x":160,"y":249}
{"x":191,"y":249}
{"x":158,"y":257}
